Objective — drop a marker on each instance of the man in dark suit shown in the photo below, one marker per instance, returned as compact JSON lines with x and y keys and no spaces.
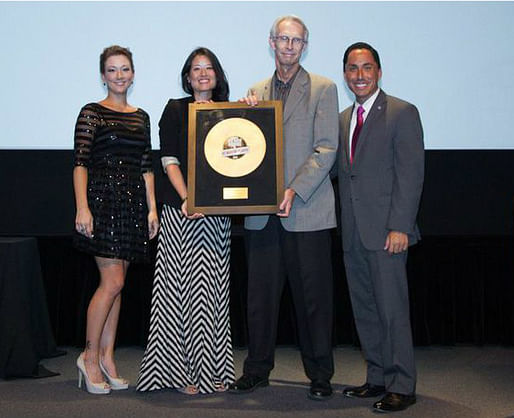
{"x":380,"y":169}
{"x":295,"y":243}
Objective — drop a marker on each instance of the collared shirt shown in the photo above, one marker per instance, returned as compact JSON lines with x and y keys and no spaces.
{"x":367,"y":105}
{"x":280,"y":90}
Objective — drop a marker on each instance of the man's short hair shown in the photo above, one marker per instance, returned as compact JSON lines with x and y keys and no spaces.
{"x":274,"y":28}
{"x":361,"y":45}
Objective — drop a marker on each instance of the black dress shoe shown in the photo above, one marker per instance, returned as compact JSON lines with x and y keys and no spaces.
{"x":247,"y":383}
{"x":320,"y":390}
{"x":393,"y":402}
{"x":367,"y":390}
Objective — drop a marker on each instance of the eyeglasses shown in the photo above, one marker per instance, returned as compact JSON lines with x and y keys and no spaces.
{"x":285,"y":40}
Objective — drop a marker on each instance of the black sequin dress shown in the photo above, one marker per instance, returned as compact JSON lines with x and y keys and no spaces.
{"x":115,"y":148}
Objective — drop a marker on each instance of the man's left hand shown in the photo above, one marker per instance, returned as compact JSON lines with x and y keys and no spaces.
{"x":287,"y":203}
{"x":396,"y":242}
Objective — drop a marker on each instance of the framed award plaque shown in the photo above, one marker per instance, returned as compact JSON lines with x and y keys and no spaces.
{"x":235,"y":161}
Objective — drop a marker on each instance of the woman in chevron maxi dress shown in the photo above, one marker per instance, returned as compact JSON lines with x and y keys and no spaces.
{"x":189,"y":345}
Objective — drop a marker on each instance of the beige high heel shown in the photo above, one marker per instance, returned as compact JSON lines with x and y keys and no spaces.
{"x":117,"y":383}
{"x":188,"y":390}
{"x":101,"y":388}
{"x":220,"y":387}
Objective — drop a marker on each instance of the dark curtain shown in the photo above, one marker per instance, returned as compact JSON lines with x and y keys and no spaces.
{"x":461,"y":291}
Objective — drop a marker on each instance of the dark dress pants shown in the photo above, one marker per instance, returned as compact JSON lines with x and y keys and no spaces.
{"x":378,"y":287}
{"x":303,"y":258}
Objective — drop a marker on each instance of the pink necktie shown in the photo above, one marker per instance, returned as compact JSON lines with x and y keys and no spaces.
{"x":356,"y":132}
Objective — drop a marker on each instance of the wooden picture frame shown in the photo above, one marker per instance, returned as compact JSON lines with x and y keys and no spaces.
{"x":235,"y":160}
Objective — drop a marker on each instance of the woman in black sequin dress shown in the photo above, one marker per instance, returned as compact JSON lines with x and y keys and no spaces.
{"x":116,"y":210}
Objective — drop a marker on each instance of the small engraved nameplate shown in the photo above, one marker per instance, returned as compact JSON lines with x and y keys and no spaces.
{"x":235,"y":193}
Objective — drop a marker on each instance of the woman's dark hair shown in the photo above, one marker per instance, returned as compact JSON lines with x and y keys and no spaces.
{"x":115,"y":50}
{"x":221,"y":91}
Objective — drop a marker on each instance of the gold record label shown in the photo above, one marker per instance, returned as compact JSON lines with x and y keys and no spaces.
{"x":235,"y":147}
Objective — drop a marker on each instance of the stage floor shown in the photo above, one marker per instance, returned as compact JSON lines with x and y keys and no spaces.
{"x":461,"y":381}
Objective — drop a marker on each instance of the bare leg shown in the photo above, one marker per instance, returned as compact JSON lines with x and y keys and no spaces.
{"x":112,"y":278}
{"x":108,"y":336}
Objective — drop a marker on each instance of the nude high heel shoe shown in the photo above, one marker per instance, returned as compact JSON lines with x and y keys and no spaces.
{"x":116,"y":383}
{"x":101,"y":388}
{"x":190,"y":390}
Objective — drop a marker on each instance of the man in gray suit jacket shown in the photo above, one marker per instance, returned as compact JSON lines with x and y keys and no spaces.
{"x":380,"y":169}
{"x":295,"y":244}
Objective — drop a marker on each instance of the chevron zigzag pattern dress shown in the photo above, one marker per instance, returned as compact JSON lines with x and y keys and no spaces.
{"x":189,"y":341}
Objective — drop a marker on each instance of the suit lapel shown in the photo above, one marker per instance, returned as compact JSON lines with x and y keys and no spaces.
{"x":345,"y":135}
{"x":376,"y":110}
{"x":298,"y":89}
{"x":266,"y":93}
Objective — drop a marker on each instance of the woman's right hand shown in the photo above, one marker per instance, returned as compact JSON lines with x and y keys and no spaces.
{"x":84,"y":222}
{"x":187,"y":215}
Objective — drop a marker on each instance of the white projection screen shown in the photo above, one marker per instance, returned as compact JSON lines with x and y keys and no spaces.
{"x":454,"y":60}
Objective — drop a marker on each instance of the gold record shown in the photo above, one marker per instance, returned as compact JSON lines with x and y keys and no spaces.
{"x":235,"y":147}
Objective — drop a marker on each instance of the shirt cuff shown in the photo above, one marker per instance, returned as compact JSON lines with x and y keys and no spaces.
{"x":166,"y":161}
